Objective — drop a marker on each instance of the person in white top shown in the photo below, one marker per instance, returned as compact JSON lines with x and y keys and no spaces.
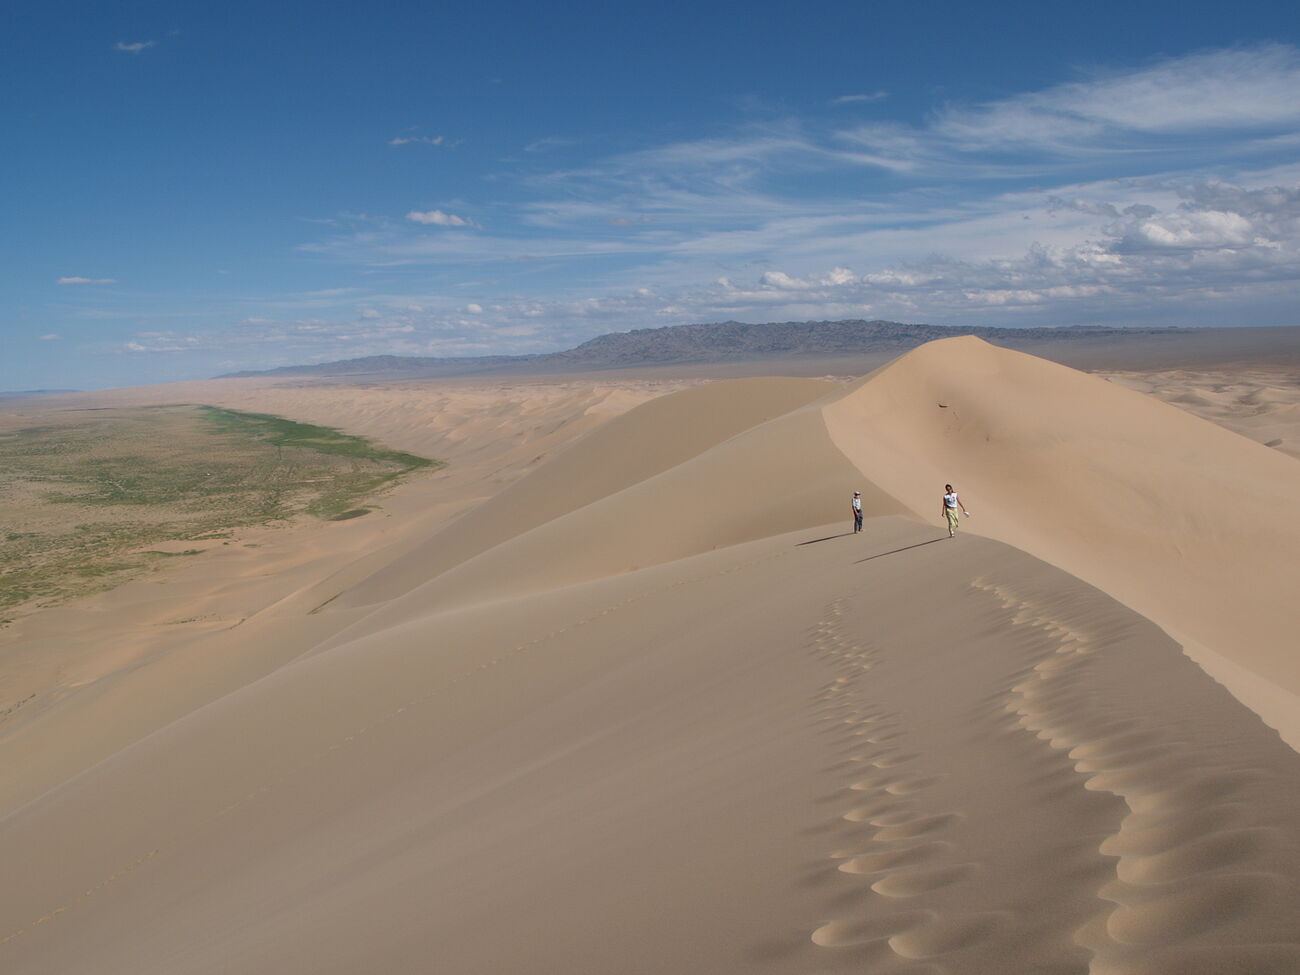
{"x":857,"y":512}
{"x":951,"y":502}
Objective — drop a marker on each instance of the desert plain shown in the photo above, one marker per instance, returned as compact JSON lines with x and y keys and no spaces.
{"x":613,"y":687}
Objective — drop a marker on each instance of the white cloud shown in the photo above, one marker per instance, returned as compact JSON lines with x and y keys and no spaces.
{"x":474,"y":309}
{"x":428,"y":140}
{"x":1236,"y":88}
{"x":547,"y":144}
{"x":51,"y":337}
{"x":77,"y":280}
{"x":862,"y":99}
{"x":438,"y":218}
{"x":1060,"y":206}
{"x":133,"y":48}
{"x":779,"y":279}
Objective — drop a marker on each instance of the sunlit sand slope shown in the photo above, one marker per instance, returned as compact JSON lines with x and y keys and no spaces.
{"x":1180,"y":519}
{"x":771,"y":478}
{"x":646,"y":441}
{"x":878,"y":752}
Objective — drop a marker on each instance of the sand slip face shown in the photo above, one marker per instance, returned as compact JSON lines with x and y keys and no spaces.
{"x":630,"y":449}
{"x":1180,"y":519}
{"x":882,"y":752}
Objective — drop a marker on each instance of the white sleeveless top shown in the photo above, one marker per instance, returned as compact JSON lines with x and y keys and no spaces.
{"x":950,"y":500}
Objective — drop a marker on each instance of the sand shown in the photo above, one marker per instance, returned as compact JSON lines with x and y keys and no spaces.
{"x":618,"y":690}
{"x":1261,"y":402}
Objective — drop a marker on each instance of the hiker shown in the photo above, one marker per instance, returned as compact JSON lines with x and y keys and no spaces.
{"x":951,"y":502}
{"x":857,"y":512}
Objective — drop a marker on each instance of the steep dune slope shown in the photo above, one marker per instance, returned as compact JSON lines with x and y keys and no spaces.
{"x":1178,"y":518}
{"x":641,"y":443}
{"x":779,"y":476}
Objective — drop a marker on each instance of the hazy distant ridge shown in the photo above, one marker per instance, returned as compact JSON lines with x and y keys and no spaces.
{"x":706,"y":343}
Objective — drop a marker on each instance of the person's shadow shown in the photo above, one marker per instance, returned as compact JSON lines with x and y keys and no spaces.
{"x":897,"y":550}
{"x":826,"y":539}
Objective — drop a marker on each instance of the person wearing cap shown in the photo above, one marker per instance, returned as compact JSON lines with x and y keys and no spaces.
{"x":857,"y":512}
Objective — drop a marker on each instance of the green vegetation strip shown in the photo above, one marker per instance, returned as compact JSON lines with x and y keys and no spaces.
{"x":83,"y":499}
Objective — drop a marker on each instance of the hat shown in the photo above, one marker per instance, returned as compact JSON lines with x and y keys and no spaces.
{"x":857,"y":492}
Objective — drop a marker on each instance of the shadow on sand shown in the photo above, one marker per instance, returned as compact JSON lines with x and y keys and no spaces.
{"x":826,"y":539}
{"x":903,"y":549}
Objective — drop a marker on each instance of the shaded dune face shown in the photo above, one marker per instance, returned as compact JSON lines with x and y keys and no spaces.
{"x":654,"y":708}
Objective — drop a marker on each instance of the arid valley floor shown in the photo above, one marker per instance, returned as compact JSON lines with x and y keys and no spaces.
{"x":616,"y":689}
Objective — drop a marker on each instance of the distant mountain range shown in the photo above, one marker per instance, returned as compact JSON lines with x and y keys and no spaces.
{"x":719,"y":342}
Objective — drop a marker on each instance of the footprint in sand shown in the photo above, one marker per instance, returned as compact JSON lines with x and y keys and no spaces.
{"x":881,"y":806}
{"x":843,"y":934}
{"x":912,"y":883}
{"x":892,"y":859}
{"x":907,"y":787}
{"x":912,"y":827}
{"x":942,"y":935}
{"x":1175,"y":912}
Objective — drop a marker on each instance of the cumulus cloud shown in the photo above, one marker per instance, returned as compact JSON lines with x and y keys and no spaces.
{"x":779,"y":279}
{"x":438,"y":218}
{"x":79,"y":280}
{"x":1217,"y":217}
{"x":135,"y":47}
{"x":1218,"y":244}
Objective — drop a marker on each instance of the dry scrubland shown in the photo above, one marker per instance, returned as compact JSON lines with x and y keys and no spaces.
{"x":94,"y":496}
{"x":616,"y":691}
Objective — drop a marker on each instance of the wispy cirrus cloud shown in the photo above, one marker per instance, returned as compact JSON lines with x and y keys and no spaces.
{"x":864,"y":98}
{"x":428,"y":140}
{"x":1171,"y":105}
{"x":548,"y":143}
{"x":80,"y":280}
{"x":438,"y":218}
{"x":134,"y":47}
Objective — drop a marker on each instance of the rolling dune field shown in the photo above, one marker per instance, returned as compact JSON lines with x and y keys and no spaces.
{"x":618,"y":690}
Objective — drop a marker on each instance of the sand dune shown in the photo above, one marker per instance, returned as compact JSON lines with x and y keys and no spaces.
{"x":658,"y":772}
{"x":631,"y":449}
{"x":1260,"y":402}
{"x":1180,"y":519}
{"x":670,"y":717}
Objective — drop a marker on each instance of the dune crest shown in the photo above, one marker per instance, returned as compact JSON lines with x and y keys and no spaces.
{"x":1186,"y":522}
{"x":630,"y":449}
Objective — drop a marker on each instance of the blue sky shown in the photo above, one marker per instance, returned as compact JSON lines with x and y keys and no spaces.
{"x":191,"y":189}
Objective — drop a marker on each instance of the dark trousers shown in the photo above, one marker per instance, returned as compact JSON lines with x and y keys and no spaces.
{"x":857,"y":521}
